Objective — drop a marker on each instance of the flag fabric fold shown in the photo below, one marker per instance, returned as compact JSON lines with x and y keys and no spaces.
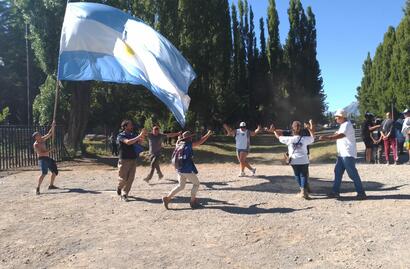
{"x":102,"y":43}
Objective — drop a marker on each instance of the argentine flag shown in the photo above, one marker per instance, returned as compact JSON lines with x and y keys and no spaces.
{"x":99,"y":42}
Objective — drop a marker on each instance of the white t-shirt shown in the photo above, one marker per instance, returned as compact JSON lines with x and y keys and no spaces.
{"x":346,"y":146}
{"x":297,"y":149}
{"x":406,"y":124}
{"x":242,"y":139}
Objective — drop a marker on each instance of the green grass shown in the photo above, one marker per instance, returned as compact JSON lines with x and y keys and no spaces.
{"x":221,"y":149}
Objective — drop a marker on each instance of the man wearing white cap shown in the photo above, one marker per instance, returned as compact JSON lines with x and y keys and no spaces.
{"x":242,"y":141}
{"x":346,"y":155}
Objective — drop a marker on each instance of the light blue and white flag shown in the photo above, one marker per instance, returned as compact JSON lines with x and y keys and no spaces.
{"x":99,"y":42}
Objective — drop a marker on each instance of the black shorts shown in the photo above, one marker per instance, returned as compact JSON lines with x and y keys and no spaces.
{"x":368,"y":142}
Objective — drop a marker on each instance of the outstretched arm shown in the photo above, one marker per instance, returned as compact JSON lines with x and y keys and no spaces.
{"x":331,"y":137}
{"x":229,"y":130}
{"x":134,"y":140}
{"x":169,"y":135}
{"x":202,"y":140}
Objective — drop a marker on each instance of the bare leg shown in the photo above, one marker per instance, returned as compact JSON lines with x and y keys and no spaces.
{"x":241,"y":165}
{"x":53,"y":177}
{"x":245,"y":163}
{"x":40,"y":180}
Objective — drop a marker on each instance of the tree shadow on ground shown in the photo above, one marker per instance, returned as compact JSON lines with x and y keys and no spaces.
{"x":209,"y":203}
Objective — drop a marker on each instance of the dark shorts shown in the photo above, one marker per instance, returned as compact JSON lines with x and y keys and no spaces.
{"x":45,"y":164}
{"x":242,"y":150}
{"x":368,"y":142}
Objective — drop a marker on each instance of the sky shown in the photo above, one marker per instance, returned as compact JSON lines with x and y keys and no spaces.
{"x":346,"y":31}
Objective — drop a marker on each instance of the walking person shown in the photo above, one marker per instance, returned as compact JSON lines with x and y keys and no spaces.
{"x":127,"y":161}
{"x":155,"y":139}
{"x":298,"y":153}
{"x":186,"y":169}
{"x":242,"y":140}
{"x":389,"y":138}
{"x":44,"y":161}
{"x":406,"y":131}
{"x":346,"y":155}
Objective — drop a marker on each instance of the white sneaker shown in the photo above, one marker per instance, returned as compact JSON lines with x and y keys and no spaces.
{"x":253,"y":171}
{"x":241,"y":174}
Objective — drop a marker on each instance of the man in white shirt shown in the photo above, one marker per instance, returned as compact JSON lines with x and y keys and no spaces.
{"x":346,"y":155}
{"x":406,"y":130}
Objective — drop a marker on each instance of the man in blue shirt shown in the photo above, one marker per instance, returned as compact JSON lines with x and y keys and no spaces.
{"x":127,"y":162}
{"x":188,"y":170}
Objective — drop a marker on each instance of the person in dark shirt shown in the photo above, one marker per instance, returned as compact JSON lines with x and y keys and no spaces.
{"x":127,"y":162}
{"x":188,"y":169}
{"x":367,"y":127}
{"x":389,"y":138}
{"x":376,"y":137}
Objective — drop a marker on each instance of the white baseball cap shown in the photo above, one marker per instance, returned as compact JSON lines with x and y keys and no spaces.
{"x":242,"y":124}
{"x":406,"y":111}
{"x":341,"y":113}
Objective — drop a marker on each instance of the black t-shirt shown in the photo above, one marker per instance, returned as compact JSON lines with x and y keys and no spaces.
{"x":126,"y":151}
{"x":365,"y":129}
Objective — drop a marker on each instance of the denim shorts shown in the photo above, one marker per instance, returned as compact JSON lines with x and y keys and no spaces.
{"x":242,"y":150}
{"x":45,"y":164}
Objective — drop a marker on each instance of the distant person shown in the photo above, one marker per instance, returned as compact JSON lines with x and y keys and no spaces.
{"x":127,"y":161}
{"x":406,"y":131}
{"x":368,"y":127}
{"x":114,"y":145}
{"x":389,"y":138}
{"x":186,"y":168}
{"x":298,"y":154}
{"x":346,"y":155}
{"x":242,"y":139}
{"x":44,"y":161}
{"x":155,"y":139}
{"x":398,"y":125}
{"x":377,"y":149}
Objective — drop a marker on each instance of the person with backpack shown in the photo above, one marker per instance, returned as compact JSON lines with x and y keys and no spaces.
{"x":298,"y":153}
{"x":242,"y":140}
{"x":182,"y":159}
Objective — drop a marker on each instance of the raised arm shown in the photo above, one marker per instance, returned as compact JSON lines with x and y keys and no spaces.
{"x":202,"y":140}
{"x":50,"y":132}
{"x":311,"y":128}
{"x":229,"y":130}
{"x":257,"y":131}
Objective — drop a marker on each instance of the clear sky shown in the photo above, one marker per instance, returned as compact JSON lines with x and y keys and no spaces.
{"x":346,"y":31}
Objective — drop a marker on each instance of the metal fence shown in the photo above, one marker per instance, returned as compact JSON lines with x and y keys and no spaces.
{"x":16,"y":145}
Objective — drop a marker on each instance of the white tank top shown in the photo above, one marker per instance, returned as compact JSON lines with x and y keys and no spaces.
{"x":242,"y":139}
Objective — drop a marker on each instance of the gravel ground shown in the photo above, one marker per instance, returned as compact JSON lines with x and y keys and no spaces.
{"x":251,"y":222}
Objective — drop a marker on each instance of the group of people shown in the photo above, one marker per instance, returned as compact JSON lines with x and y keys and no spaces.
{"x":297,"y":140}
{"x":384,"y":136}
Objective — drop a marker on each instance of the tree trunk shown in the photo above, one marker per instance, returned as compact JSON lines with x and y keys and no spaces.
{"x":79,"y":114}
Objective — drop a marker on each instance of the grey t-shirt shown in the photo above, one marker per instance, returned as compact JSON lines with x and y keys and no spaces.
{"x":155,"y":143}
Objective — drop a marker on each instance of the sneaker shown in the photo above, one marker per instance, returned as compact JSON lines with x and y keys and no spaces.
{"x":52,"y":187}
{"x":361,"y":196}
{"x":147,"y":179}
{"x":253,"y":171}
{"x":241,"y":174}
{"x":165,"y":202}
{"x":118,"y":191}
{"x":124,"y":198}
{"x":333,"y":195}
{"x":37,"y":191}
{"x":195,"y":204}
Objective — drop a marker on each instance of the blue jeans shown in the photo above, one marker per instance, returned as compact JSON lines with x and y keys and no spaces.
{"x":301,"y":172}
{"x":348,"y":164}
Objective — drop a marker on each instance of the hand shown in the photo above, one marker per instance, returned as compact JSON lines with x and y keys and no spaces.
{"x":311,"y":123}
{"x":143,"y":132}
{"x":258,"y":129}
{"x":209,"y":133}
{"x":322,"y":138}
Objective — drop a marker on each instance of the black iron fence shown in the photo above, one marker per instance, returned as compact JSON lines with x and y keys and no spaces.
{"x":16,"y":145}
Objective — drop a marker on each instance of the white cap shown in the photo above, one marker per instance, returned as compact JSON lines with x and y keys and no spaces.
{"x":341,"y":113}
{"x":406,"y":111}
{"x":242,"y":124}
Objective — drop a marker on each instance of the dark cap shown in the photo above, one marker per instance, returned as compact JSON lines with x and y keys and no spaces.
{"x":35,"y":134}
